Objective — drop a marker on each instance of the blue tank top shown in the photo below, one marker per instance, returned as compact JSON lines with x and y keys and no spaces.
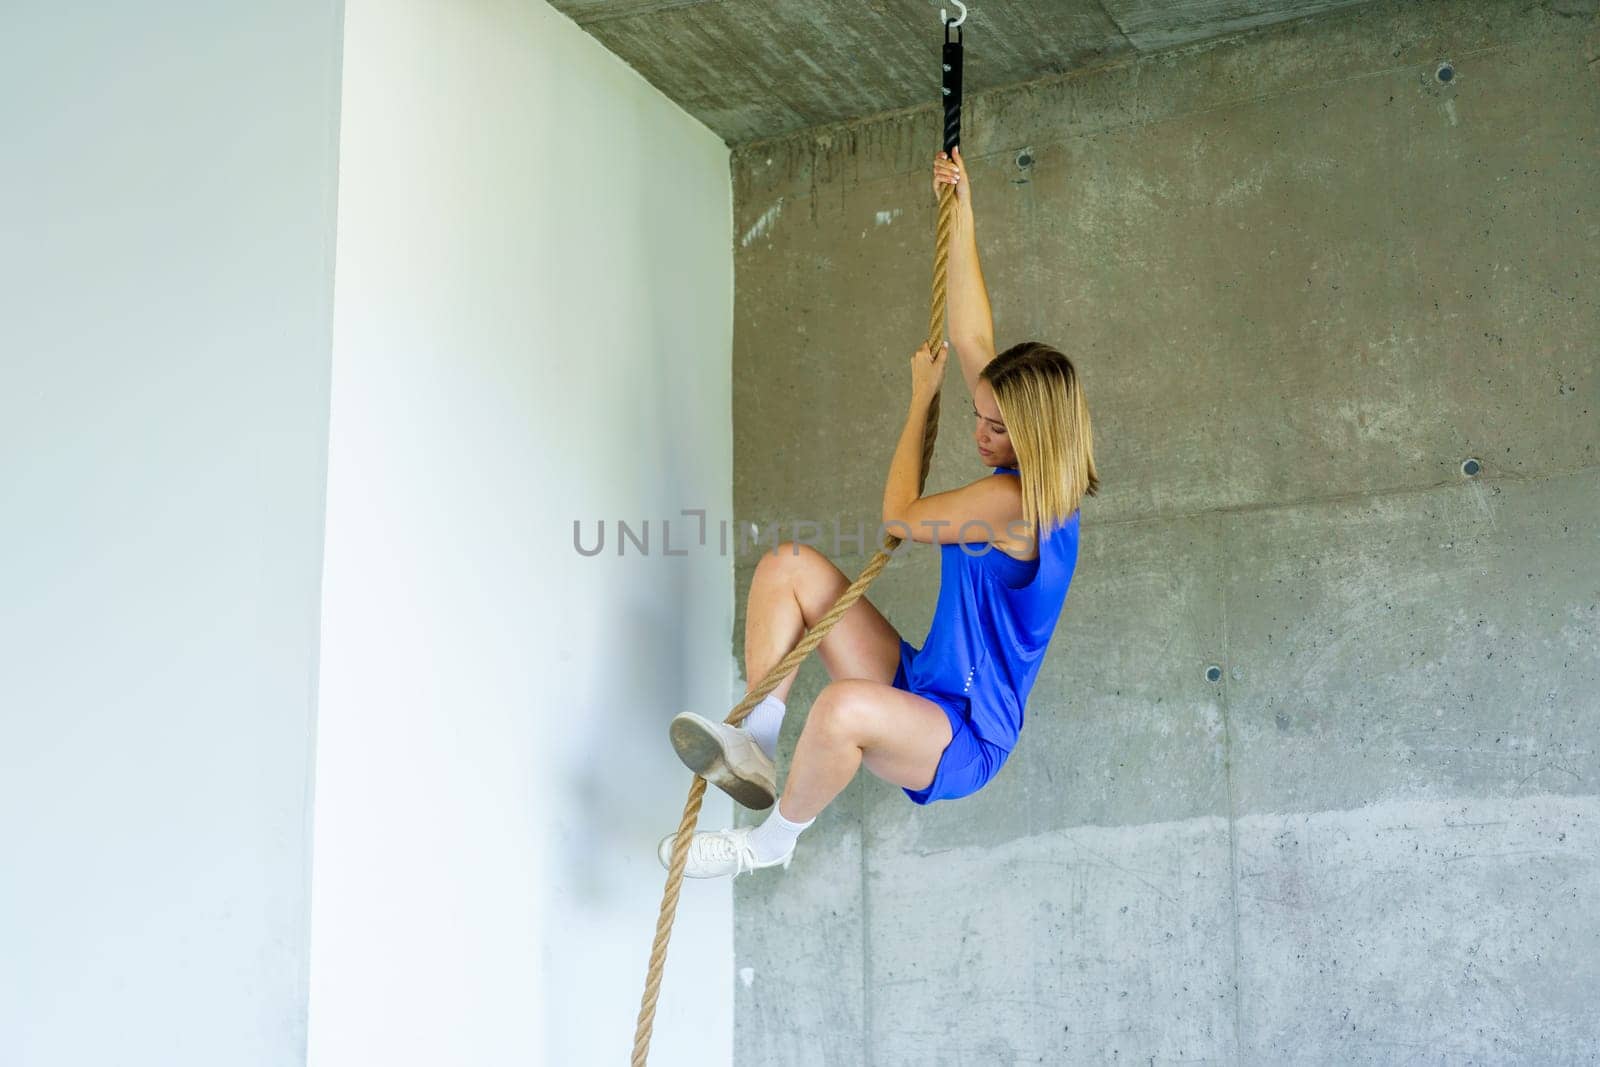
{"x":991,"y":626}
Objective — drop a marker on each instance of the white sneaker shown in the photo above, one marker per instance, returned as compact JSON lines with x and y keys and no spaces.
{"x":719,"y":853}
{"x":726,"y":756}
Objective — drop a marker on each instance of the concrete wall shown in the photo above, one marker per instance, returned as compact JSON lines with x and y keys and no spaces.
{"x":1304,"y":279}
{"x":167,"y":185}
{"x":533,"y":327}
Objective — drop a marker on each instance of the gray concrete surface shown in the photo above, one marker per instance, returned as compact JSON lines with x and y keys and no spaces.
{"x":754,"y":69}
{"x":1304,"y":280}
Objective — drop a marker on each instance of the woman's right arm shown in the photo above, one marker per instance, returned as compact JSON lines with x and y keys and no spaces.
{"x":971,"y":322}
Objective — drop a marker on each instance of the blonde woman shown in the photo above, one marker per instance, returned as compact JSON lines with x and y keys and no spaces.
{"x":938,"y":721}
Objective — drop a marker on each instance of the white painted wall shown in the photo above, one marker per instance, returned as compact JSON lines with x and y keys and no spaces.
{"x":533,"y":326}
{"x":167,"y":181}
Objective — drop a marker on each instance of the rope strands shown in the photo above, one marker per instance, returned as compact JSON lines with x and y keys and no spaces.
{"x":952,"y":55}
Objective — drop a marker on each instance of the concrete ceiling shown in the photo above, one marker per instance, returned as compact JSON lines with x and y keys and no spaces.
{"x":754,"y":69}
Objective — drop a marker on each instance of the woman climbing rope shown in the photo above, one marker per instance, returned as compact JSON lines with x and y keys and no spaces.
{"x":940,"y":721}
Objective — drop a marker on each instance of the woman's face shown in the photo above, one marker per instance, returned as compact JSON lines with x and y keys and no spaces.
{"x":994,"y":444}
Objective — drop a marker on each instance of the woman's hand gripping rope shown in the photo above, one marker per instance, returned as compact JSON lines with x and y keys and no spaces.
{"x":927,"y":373}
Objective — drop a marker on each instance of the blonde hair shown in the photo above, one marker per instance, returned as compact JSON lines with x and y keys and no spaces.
{"x":1040,"y":397}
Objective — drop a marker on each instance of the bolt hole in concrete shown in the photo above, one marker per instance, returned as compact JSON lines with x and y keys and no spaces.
{"x":1470,"y":467}
{"x":1213,"y":673}
{"x":1024,"y":159}
{"x":1446,"y":73}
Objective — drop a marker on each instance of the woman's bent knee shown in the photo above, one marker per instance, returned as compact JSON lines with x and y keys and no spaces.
{"x":799,"y":564}
{"x":789,"y":553}
{"x":841,"y":710}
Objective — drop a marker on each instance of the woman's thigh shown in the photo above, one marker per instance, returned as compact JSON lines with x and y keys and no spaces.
{"x":863,"y":644}
{"x":902,"y":736}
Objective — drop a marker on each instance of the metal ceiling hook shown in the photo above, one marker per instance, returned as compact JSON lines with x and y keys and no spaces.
{"x":944,"y":16}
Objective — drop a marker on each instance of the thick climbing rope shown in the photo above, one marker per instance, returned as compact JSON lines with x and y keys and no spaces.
{"x":813,"y":637}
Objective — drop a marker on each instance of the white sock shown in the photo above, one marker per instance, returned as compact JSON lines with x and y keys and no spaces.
{"x":774,"y":839}
{"x":764,"y":722}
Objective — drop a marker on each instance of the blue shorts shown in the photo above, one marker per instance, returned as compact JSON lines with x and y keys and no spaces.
{"x":968,"y":761}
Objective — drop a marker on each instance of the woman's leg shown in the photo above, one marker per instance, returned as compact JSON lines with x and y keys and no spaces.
{"x":793,"y":587}
{"x":858,"y":718}
{"x":898,"y":735}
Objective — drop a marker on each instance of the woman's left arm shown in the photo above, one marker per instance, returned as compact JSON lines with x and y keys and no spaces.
{"x":987,"y":510}
{"x":927,"y":375}
{"x":981,"y":511}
